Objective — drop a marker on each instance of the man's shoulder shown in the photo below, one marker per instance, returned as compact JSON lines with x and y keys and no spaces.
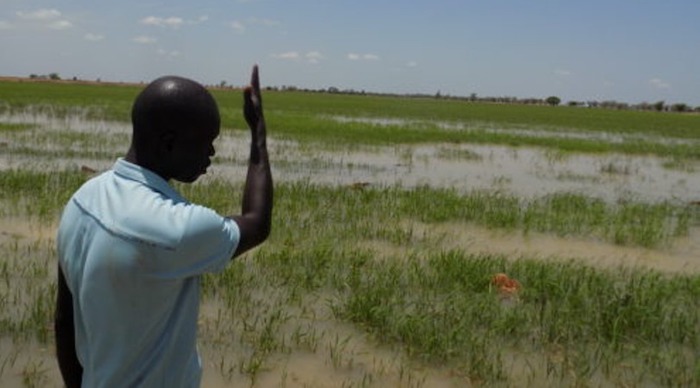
{"x":131,"y":210}
{"x":134,"y":210}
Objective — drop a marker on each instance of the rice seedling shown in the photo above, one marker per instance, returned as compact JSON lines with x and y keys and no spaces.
{"x":458,"y":154}
{"x":12,"y":127}
{"x":34,"y":375}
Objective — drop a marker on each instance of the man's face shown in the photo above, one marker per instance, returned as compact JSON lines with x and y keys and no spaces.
{"x":192,"y":152}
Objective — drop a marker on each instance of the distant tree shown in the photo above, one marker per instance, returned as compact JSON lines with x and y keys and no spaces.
{"x":659,"y":106}
{"x":680,"y":107}
{"x":553,"y":100}
{"x":643,"y":106}
{"x":222,"y":84}
{"x":54,"y":76}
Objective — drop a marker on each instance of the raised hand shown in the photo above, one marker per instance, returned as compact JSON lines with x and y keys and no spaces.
{"x":255,"y":220}
{"x":252,"y":107}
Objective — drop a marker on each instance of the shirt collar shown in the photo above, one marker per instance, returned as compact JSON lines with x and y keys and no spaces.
{"x":145,"y":176}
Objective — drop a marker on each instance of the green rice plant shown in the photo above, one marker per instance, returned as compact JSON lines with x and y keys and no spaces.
{"x":306,"y":338}
{"x":337,"y":350}
{"x":12,"y":127}
{"x":647,"y":225}
{"x":37,"y":193}
{"x":27,"y":292}
{"x":345,"y":211}
{"x":103,"y":100}
{"x":33,"y":375}
{"x":457,"y":154}
{"x":441,"y":308}
{"x":681,"y":164}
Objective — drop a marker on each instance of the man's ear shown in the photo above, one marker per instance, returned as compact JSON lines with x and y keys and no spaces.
{"x":167,"y":140}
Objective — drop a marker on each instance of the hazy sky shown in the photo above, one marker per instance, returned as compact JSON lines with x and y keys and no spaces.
{"x":631,"y":50}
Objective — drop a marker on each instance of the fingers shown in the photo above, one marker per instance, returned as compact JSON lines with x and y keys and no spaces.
{"x":247,"y":101}
{"x":249,"y":107}
{"x":251,"y":101}
{"x":252,"y":92}
{"x":248,"y":97}
{"x":255,"y":85}
{"x":255,"y":80}
{"x":252,"y":107}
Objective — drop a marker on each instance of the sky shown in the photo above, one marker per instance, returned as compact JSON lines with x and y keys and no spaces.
{"x":624,"y":50}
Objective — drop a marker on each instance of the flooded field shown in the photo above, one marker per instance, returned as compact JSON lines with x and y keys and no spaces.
{"x":274,"y":332}
{"x":528,"y":172}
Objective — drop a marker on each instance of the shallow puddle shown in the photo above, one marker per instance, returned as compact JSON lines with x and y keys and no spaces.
{"x":682,"y":256}
{"x":343,"y":356}
{"x":22,"y":230}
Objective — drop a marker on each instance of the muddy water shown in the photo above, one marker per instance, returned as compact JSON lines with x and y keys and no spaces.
{"x":681,"y":256}
{"x":523,"y":171}
{"x":343,"y":356}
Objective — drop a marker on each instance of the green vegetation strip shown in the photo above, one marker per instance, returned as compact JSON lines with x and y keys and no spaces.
{"x":371,"y":212}
{"x":37,"y":193}
{"x":310,"y":117}
{"x":11,"y":127}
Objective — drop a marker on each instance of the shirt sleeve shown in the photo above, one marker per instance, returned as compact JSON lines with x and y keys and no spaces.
{"x":207,"y":244}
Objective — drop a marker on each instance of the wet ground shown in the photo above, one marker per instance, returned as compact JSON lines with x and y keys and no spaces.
{"x":527,"y":172}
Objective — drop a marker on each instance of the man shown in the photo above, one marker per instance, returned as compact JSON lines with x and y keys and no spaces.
{"x":131,"y":249}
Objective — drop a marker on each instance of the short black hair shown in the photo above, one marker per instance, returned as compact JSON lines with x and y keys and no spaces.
{"x":173,"y":103}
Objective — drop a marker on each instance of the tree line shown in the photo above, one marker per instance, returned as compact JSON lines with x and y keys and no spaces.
{"x":658,"y":106}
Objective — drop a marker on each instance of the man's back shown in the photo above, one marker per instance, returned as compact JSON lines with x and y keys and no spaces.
{"x":132,"y":250}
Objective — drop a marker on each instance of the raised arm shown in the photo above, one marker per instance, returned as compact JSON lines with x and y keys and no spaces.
{"x":256,"y":213}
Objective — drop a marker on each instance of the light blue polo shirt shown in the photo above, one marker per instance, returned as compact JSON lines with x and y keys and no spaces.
{"x":132,"y":249}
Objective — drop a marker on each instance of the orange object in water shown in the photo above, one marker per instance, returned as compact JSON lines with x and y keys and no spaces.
{"x":506,"y":286}
{"x":499,"y":279}
{"x":510,"y":287}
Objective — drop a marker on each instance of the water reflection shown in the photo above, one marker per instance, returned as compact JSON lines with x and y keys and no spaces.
{"x":527,"y":172}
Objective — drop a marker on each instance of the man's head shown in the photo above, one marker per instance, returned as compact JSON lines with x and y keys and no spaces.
{"x":175,"y":121}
